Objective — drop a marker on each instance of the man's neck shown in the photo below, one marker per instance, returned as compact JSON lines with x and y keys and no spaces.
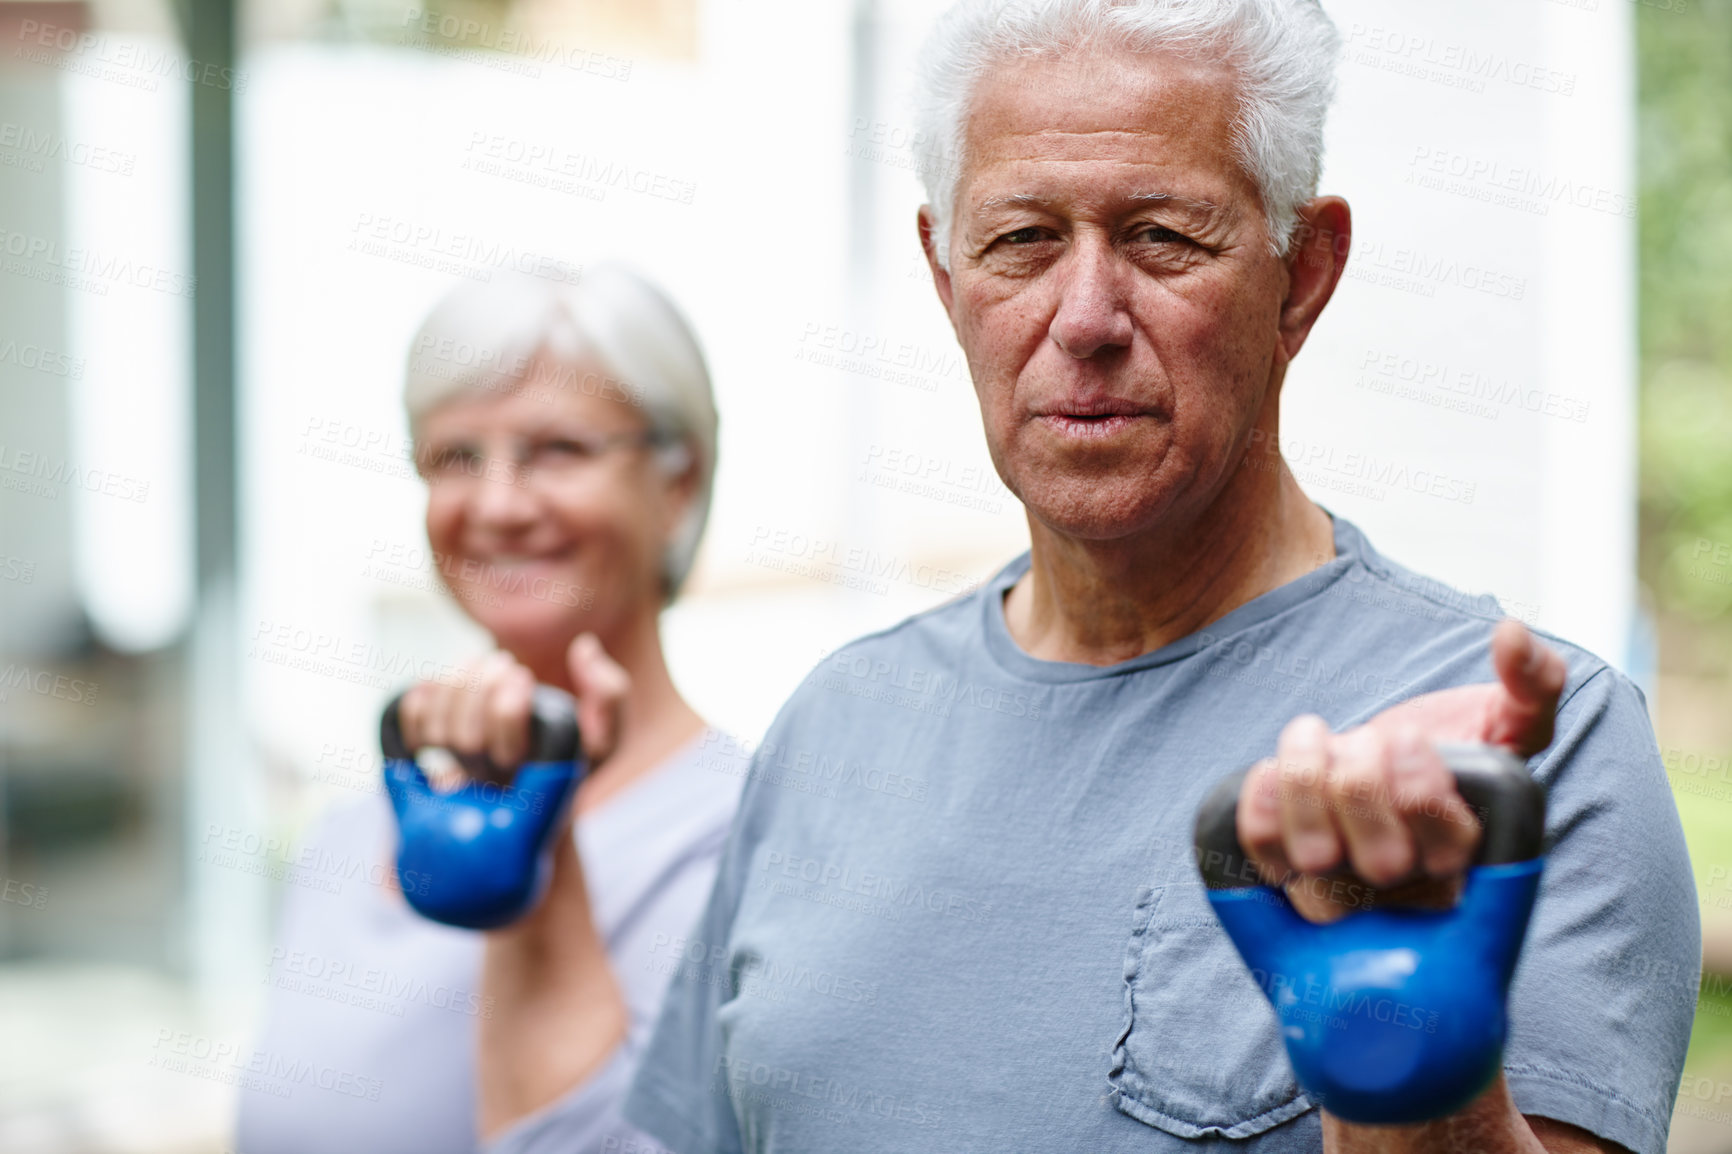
{"x":1103,"y":602}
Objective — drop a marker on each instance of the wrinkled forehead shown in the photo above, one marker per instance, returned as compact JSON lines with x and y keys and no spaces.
{"x":1098,"y":120}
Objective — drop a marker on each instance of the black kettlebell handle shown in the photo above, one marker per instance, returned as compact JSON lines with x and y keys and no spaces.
{"x":553,"y":734}
{"x":1510,"y":805}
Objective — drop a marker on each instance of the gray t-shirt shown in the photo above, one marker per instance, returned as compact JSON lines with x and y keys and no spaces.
{"x":983,"y":862}
{"x":369,"y":1035}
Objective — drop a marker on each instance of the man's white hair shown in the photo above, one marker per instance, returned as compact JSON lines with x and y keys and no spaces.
{"x":1284,"y":52}
{"x":518,"y":331}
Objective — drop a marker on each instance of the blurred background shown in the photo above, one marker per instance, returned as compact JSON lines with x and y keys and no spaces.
{"x":221,"y":221}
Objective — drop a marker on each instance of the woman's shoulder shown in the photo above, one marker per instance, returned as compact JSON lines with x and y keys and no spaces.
{"x":649,"y":854}
{"x":686,"y":802}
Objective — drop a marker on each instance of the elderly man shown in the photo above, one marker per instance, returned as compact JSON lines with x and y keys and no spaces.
{"x":987,"y":932}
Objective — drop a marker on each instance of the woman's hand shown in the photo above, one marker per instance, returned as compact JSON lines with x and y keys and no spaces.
{"x":552,"y":1011}
{"x":483,"y":719}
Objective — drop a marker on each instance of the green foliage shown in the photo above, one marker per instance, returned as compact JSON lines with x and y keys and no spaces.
{"x":1684,"y":164}
{"x":1684,"y":161}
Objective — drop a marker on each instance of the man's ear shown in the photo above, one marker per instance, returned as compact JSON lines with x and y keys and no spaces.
{"x":940,"y":275}
{"x":1314,"y":266}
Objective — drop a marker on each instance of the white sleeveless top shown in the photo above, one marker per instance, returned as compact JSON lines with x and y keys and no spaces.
{"x":370,"y":1024}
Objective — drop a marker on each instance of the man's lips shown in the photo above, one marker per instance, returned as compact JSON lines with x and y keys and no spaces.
{"x":1092,"y":420}
{"x":1090,"y":428}
{"x":1102,"y":407}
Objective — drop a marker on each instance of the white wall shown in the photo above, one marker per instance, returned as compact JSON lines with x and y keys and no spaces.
{"x":1466,"y":398}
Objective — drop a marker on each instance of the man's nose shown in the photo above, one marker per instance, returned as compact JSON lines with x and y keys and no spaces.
{"x":1093,"y":309}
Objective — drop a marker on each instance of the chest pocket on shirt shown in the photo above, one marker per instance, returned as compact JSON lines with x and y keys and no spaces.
{"x":1200,"y":1055}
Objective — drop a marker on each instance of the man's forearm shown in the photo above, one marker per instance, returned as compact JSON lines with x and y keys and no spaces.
{"x":1490,"y":1124}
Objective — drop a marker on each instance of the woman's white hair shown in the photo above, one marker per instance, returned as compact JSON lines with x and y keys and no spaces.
{"x":530,"y":333}
{"x":1283,"y":50}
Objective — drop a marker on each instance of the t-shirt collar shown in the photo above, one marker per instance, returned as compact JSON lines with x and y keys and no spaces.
{"x":1351,"y":549}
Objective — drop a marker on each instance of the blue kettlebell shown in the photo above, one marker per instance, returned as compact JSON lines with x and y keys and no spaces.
{"x":481,"y":856}
{"x":1392,"y":1015}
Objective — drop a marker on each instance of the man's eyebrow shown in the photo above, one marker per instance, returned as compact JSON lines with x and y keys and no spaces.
{"x":1035,"y":200}
{"x":1014,"y":199}
{"x":1190,"y":204}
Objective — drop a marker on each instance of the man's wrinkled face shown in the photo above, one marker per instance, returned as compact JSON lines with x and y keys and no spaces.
{"x":1112,"y":287}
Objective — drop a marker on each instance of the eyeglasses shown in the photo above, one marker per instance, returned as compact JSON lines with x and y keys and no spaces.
{"x":550,"y":458}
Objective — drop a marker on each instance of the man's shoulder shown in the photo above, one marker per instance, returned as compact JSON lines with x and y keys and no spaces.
{"x":1393,"y":604}
{"x":932,"y":643}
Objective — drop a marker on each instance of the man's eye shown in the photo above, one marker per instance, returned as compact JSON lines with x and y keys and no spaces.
{"x":1160,"y":234}
{"x":1022,"y":236}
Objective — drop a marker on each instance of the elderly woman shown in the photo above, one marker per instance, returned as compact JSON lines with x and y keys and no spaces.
{"x":567,"y":437}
